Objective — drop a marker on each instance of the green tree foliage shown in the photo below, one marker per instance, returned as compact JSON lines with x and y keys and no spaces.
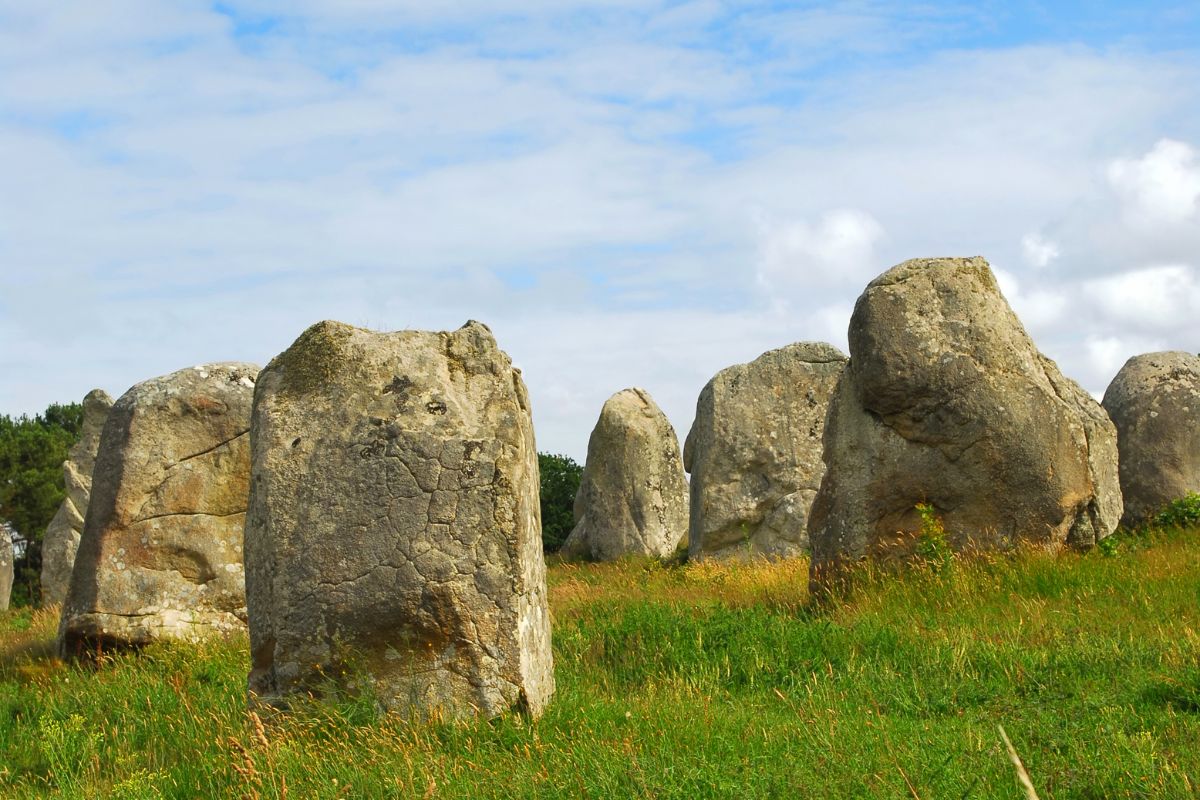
{"x":560,"y":482}
{"x":32,"y":450}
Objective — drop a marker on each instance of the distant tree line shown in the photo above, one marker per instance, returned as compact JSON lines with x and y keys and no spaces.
{"x":560,"y":482}
{"x":32,"y":450}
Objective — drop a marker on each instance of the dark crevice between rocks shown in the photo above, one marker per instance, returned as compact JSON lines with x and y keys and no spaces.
{"x":216,"y":446}
{"x":185,"y":514}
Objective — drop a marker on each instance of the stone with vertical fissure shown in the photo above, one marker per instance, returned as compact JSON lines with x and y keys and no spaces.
{"x":1155,"y":403}
{"x":632,"y":497}
{"x":947,"y":401}
{"x":754,"y":452}
{"x":61,"y":539}
{"x":393,"y":542}
{"x":161,"y":551}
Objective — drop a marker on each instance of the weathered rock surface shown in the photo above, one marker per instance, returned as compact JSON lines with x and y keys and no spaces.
{"x":394,"y":535}
{"x":61,"y":539}
{"x":1155,"y":403}
{"x":6,"y":567}
{"x":754,"y":452}
{"x":161,"y":552}
{"x":633,"y":497}
{"x":946,"y":400}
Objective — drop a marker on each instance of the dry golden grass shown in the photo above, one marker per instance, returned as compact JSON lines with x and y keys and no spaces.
{"x":778,"y":584}
{"x":27,"y":650}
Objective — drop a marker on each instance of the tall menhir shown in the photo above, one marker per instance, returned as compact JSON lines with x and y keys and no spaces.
{"x":393,"y":542}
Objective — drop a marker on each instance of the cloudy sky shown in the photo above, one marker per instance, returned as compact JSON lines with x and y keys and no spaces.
{"x":628,"y":193}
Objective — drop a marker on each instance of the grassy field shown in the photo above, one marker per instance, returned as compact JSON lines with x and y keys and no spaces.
{"x":691,"y":682}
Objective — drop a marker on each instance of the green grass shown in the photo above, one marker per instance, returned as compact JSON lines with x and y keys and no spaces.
{"x":690,"y":682}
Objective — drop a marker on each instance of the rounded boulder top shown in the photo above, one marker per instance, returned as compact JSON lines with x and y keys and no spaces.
{"x":632,"y":497}
{"x":946,"y":401}
{"x":1154,"y":401}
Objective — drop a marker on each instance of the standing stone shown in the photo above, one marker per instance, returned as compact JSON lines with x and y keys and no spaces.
{"x":61,"y":539}
{"x":394,"y":535}
{"x":161,"y":553}
{"x":632,"y":498}
{"x":754,"y":452}
{"x":947,"y":401}
{"x":1155,"y":403}
{"x":6,"y":567}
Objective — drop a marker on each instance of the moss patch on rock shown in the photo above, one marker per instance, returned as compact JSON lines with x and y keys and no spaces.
{"x":313,"y":359}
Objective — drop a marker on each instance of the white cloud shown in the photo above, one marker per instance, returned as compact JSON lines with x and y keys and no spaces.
{"x":1162,"y":298}
{"x":1009,"y":286}
{"x":624,"y":198}
{"x":1160,"y":188}
{"x":1038,"y":252}
{"x":1040,"y":309}
{"x":1107,"y":354}
{"x":672,"y":354}
{"x":838,"y":249}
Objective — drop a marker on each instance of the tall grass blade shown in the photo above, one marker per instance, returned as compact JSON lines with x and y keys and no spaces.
{"x":1022,"y":775}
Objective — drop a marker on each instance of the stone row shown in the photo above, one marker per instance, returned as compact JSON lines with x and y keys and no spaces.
{"x":367,"y":504}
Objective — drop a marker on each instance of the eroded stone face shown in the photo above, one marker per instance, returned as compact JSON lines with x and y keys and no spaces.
{"x":947,"y":401}
{"x":161,"y":551}
{"x":754,"y":452}
{"x":632,"y":497}
{"x":393,"y":541}
{"x":61,"y":539}
{"x":1155,"y":403}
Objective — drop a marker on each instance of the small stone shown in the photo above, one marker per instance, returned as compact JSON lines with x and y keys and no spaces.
{"x":6,"y":567}
{"x":632,"y":497}
{"x":1150,"y":401}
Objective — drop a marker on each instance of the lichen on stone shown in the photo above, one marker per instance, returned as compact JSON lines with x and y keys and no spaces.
{"x":313,"y":359}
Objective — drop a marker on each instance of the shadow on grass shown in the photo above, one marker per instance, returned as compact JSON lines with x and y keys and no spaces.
{"x":1180,"y":694}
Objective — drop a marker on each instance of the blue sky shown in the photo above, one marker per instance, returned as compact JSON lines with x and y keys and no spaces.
{"x":628,"y":193}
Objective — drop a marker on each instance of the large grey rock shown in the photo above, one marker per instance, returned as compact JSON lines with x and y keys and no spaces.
{"x":394,"y":534}
{"x":946,"y":400}
{"x":754,"y":452}
{"x":632,"y":497}
{"x":161,"y":552}
{"x":61,"y":539}
{"x":1155,"y":403}
{"x":6,"y":567}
